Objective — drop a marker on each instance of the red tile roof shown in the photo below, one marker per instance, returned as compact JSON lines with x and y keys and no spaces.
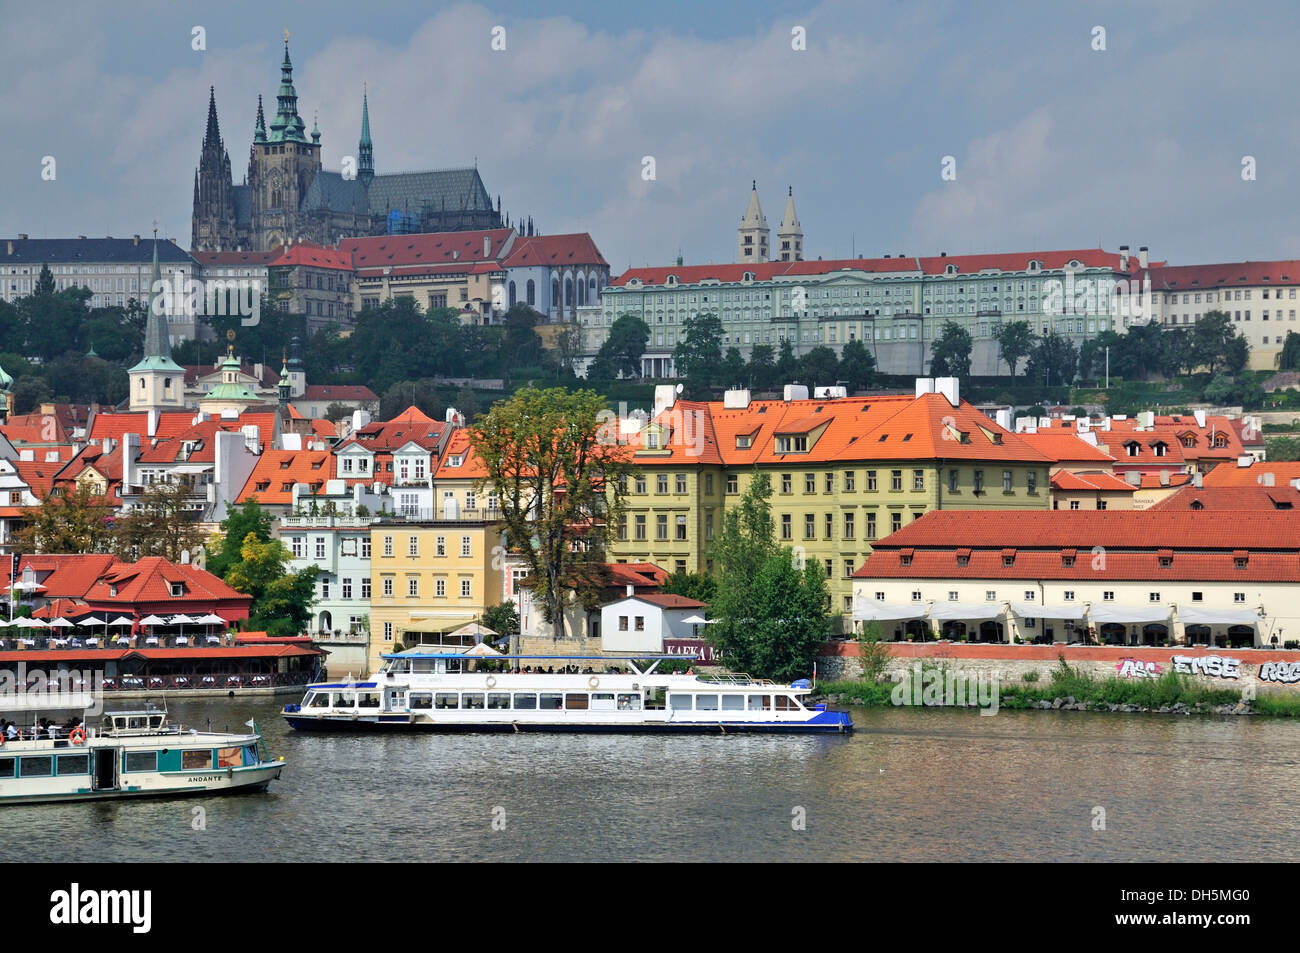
{"x":434,"y":248}
{"x":212,"y":258}
{"x":1228,"y":275}
{"x":35,"y":428}
{"x":668,"y":600}
{"x":1283,"y":497}
{"x":1065,"y":448}
{"x":1090,"y":482}
{"x":338,"y":392}
{"x":639,"y":575}
{"x":574,"y":249}
{"x":276,"y":471}
{"x":1229,"y":474}
{"x":315,"y":256}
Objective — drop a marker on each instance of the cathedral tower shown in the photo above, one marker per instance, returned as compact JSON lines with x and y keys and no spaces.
{"x":753,"y":233}
{"x":281,"y":167}
{"x":212,"y":225}
{"x":366,"y":148}
{"x":789,"y":237}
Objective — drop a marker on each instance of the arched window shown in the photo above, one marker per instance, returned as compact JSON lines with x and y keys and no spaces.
{"x":568,"y":292}
{"x":591,"y":288}
{"x":582,"y":292}
{"x":532,"y":293}
{"x":512,"y":294}
{"x":555,"y":292}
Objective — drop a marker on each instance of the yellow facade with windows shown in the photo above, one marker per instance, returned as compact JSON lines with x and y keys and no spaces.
{"x":427,"y":577}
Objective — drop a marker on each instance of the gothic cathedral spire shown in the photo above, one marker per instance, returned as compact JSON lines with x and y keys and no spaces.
{"x":366,"y":148}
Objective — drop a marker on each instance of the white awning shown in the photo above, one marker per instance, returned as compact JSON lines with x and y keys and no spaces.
{"x":945,"y":611}
{"x":1032,"y":610}
{"x":1102,"y":614}
{"x":869,"y":610}
{"x":1217,"y":617}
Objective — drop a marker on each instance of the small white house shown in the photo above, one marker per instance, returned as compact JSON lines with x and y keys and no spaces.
{"x":640,"y":623}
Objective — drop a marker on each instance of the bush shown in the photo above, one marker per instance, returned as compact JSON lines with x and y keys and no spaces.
{"x":1030,"y":676}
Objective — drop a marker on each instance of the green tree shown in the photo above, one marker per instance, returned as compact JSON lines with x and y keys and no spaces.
{"x":1015,"y":340}
{"x":421,"y":394}
{"x":733,"y":372}
{"x":502,"y":618}
{"x":559,"y":483}
{"x":1176,"y":352}
{"x":522,"y":347}
{"x":625,"y":344}
{"x":1216,"y":345}
{"x":787,"y":365}
{"x":857,"y":366}
{"x":819,"y":367}
{"x":72,"y":520}
{"x":1288,"y":359}
{"x":1282,"y":448}
{"x":698,"y":353}
{"x":1054,"y":360}
{"x":770,"y":609}
{"x":161,"y":524}
{"x":236,"y":527}
{"x":1092,"y":354}
{"x":45,"y":283}
{"x":693,"y":585}
{"x":762,"y":367}
{"x":282,"y":600}
{"x":950,"y":352}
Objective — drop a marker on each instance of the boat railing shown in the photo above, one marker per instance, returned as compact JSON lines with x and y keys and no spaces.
{"x":736,"y":678}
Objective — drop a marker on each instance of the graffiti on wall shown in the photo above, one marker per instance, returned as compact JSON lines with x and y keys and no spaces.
{"x":1287,"y":673}
{"x":1136,"y":668}
{"x":1214,"y":666}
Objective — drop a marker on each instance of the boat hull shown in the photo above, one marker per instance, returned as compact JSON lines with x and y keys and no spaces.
{"x":837,"y":724}
{"x":236,"y":781}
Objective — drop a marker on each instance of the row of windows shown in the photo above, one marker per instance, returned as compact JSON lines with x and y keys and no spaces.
{"x":439,"y":546}
{"x":413,"y":588}
{"x":348,"y":546}
{"x":1067,"y":595}
{"x":345,"y":586}
{"x":849,"y":478}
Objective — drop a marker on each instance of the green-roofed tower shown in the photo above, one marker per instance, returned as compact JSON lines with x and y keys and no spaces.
{"x":157,"y":382}
{"x":366,"y":148}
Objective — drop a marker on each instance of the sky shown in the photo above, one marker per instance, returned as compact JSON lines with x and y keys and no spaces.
{"x":1053,"y":143}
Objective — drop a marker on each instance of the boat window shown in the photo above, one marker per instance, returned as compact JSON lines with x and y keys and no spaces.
{"x":629,"y":702}
{"x":6,"y":767}
{"x":196,"y":759}
{"x":679,"y":702}
{"x":230,"y":757}
{"x":119,"y":722}
{"x":138,"y":722}
{"x":447,"y":700}
{"x":421,"y":700}
{"x":318,"y":700}
{"x":733,"y":702}
{"x":760,"y":702}
{"x":37,"y":767}
{"x":345,"y":700}
{"x":786,"y":703}
{"x":499,"y":700}
{"x":155,"y":721}
{"x":424,"y":666}
{"x":471,"y":700}
{"x":706,"y":702}
{"x":525,"y":700}
{"x":368,"y":700}
{"x":576,"y":701}
{"x":551,"y":701}
{"x":142,"y":761}
{"x":250,"y":755}
{"x":74,"y":764}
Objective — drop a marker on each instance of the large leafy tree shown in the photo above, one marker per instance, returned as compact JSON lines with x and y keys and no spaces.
{"x":74,"y":520}
{"x":1217,"y":346}
{"x":161,"y":524}
{"x":733,"y":372}
{"x":1092,"y":354}
{"x":559,"y":483}
{"x":762,"y":367}
{"x":502,"y":618}
{"x":1015,"y":340}
{"x":950,"y":352}
{"x":224,"y":549}
{"x":819,"y":367}
{"x":857,"y":365}
{"x":699,"y":352}
{"x":282,"y":600}
{"x":787,"y":365}
{"x":770,"y":607}
{"x":1054,"y":360}
{"x":625,"y":345}
{"x":1288,"y":359}
{"x":692,"y":585}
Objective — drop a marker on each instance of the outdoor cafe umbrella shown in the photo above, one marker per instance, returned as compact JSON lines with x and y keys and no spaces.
{"x":90,"y":621}
{"x":25,"y":623}
{"x":181,"y":620}
{"x":121,"y":620}
{"x":60,"y":624}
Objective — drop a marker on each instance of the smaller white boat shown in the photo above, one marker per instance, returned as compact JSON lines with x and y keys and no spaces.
{"x":130,"y":754}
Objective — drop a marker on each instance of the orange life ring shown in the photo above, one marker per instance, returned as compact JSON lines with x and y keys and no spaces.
{"x":78,"y":736}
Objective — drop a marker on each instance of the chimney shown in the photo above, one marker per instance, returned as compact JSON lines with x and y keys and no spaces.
{"x":950,"y":387}
{"x":1268,"y":479}
{"x":1142,"y":256}
{"x":135,"y":239}
{"x":924,"y":385}
{"x":9,"y":247}
{"x":22,"y":236}
{"x":631,"y":590}
{"x":1133,"y":477}
{"x":1196,"y":479}
{"x":1164,"y":477}
{"x":153,"y":423}
{"x":736,"y":399}
{"x":1123,"y":258}
{"x":487,"y":246}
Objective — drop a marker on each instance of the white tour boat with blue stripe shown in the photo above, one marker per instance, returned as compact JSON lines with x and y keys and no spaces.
{"x":130,"y":754}
{"x":441,"y":691}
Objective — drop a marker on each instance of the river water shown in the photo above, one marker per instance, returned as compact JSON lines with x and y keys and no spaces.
{"x":908,"y":785}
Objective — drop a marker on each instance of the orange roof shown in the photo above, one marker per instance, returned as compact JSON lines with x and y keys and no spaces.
{"x":277,"y":471}
{"x":1089,"y":482}
{"x":314,"y":256}
{"x":457,"y":249}
{"x":150,"y":580}
{"x":114,"y":425}
{"x":1283,"y":497}
{"x":37,"y":475}
{"x":1061,"y":447}
{"x":574,"y":249}
{"x":1229,"y":474}
{"x":1154,"y":481}
{"x":471,"y":464}
{"x":35,"y":428}
{"x":891,"y":427}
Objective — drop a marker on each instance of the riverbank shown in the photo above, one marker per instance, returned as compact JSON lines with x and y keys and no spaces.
{"x":1069,"y":688}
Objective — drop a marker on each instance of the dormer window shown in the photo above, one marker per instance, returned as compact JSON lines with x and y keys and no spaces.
{"x":744,"y":441}
{"x":1220,"y":441}
{"x":652,"y":439}
{"x":789,"y":444}
{"x":1133,"y":449}
{"x":950,"y":269}
{"x":178,"y":589}
{"x":1160,"y":448}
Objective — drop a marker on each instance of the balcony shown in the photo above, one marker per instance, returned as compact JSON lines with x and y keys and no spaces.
{"x":325,"y":522}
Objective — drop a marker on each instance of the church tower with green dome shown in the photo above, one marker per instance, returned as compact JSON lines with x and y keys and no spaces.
{"x":157,"y":382}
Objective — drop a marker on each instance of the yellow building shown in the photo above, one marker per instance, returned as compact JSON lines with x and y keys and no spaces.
{"x":844,"y":472}
{"x":428,"y":577}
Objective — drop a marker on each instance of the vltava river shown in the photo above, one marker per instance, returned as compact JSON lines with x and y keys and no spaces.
{"x":909,"y":785}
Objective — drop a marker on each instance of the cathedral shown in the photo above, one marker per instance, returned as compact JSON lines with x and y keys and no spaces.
{"x":287,"y":196}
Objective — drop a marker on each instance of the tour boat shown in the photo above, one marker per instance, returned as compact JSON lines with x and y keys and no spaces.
{"x":131,"y":754}
{"x":437,"y":691}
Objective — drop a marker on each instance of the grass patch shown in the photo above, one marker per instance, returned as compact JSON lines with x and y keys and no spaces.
{"x":1277,"y":704}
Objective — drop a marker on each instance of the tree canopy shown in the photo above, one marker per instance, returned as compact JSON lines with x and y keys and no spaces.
{"x":950,"y":352}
